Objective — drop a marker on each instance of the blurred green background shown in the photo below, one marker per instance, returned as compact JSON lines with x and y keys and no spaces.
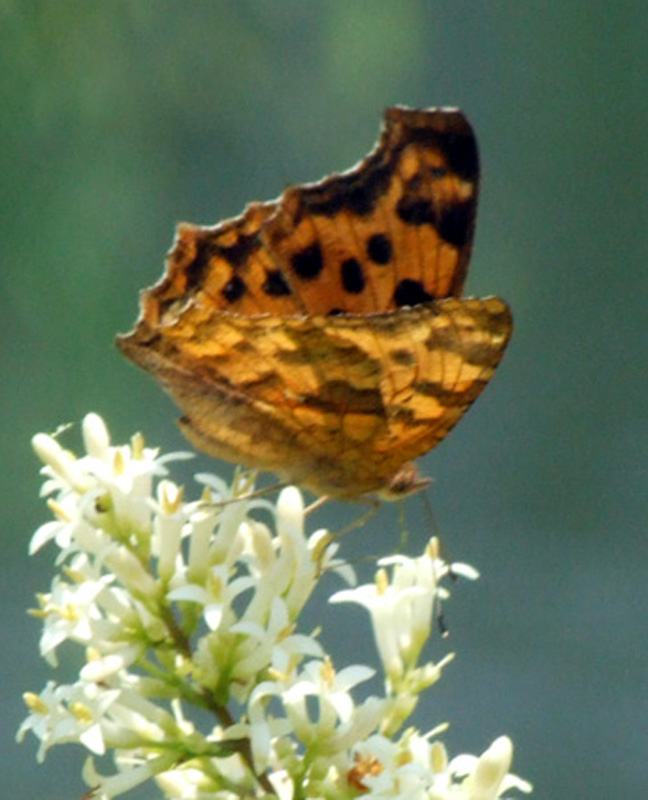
{"x":121,"y":118}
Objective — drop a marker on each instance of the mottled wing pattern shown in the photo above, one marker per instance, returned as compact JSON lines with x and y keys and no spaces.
{"x":321,"y":335}
{"x":337,"y":404}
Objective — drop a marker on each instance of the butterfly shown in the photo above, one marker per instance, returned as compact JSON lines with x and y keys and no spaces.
{"x":323,"y":335}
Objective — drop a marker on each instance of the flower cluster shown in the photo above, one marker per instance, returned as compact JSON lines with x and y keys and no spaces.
{"x":187,"y":611}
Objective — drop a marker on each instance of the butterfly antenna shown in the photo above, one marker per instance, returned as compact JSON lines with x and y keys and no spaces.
{"x":317,"y":504}
{"x":429,"y":513}
{"x":441,"y":622}
{"x":434,"y":527}
{"x":373,"y":503}
{"x":358,"y":522}
{"x":402,"y":521}
{"x":251,"y":495}
{"x":433,"y":550}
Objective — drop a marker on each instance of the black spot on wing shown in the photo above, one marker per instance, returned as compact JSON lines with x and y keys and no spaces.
{"x":234,"y":289}
{"x":195,"y":272}
{"x":379,"y":248}
{"x":410,"y":293}
{"x":352,"y":276}
{"x":455,"y":224}
{"x":309,"y":262}
{"x":414,"y":211}
{"x":235,"y":255}
{"x":275,"y":284}
{"x":238,"y":253}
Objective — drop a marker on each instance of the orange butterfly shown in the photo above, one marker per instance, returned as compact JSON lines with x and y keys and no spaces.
{"x":322,"y":335}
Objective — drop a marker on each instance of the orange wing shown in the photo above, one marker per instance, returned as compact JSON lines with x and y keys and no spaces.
{"x":337,"y":404}
{"x":396,"y":230}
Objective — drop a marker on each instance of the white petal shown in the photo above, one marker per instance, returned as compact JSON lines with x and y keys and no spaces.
{"x":96,"y":437}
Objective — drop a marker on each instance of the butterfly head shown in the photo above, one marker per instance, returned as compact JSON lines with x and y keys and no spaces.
{"x":405,"y":481}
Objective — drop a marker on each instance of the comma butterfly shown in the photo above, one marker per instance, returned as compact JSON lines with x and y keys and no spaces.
{"x":322,"y":335}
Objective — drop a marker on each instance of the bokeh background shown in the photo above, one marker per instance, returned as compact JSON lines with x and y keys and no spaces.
{"x":120,"y":119}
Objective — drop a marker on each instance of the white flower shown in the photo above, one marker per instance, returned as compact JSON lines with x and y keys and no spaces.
{"x":68,"y":714}
{"x":48,"y":720}
{"x":273,"y":644}
{"x":108,"y":484}
{"x":187,"y":608}
{"x":401,"y":610}
{"x":488,"y":776}
{"x":318,"y":679}
{"x":415,"y":767}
